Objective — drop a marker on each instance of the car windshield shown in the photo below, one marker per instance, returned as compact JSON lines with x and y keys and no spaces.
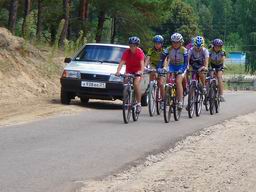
{"x":101,"y":53}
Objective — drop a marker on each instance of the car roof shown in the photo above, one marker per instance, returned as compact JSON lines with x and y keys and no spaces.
{"x":110,"y":45}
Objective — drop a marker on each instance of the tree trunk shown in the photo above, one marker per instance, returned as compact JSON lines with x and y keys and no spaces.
{"x":84,"y":10}
{"x":27,"y":9}
{"x":113,"y":34}
{"x":53,"y":33}
{"x":13,"y":15}
{"x":67,"y":5}
{"x":101,"y":20}
{"x":39,"y":27}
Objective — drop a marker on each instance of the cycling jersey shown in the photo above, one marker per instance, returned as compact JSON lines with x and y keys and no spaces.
{"x":177,"y":59}
{"x":133,"y":60}
{"x":215,"y":58}
{"x":155,"y":56}
{"x":197,"y":58}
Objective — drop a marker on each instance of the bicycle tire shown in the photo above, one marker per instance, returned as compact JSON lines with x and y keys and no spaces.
{"x":127,"y":105}
{"x":191,"y":101}
{"x":199,"y":102}
{"x":167,"y":106}
{"x":176,"y":110}
{"x":212,"y":98}
{"x":158,"y":101}
{"x":152,"y":99}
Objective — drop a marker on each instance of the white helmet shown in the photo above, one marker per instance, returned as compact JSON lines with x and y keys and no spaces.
{"x":177,"y":37}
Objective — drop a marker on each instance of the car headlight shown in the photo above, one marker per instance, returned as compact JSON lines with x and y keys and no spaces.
{"x":115,"y":78}
{"x":71,"y":74}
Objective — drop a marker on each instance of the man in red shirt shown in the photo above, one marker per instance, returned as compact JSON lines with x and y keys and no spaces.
{"x":133,"y":58}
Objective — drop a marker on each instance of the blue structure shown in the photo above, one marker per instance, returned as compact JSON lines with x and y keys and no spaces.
{"x":236,"y":57}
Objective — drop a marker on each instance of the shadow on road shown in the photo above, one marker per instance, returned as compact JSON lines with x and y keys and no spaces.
{"x":93,"y":104}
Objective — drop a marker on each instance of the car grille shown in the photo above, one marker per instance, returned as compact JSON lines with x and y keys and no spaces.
{"x":94,"y":77}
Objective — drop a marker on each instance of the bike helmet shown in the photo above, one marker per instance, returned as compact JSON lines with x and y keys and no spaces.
{"x":217,"y":42}
{"x":199,"y":41}
{"x":158,"y":39}
{"x":134,"y":40}
{"x":177,"y":37}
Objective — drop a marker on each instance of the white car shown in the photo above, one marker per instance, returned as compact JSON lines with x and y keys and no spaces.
{"x":90,"y":74}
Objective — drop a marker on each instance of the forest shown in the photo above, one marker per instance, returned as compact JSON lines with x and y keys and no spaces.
{"x":67,"y":24}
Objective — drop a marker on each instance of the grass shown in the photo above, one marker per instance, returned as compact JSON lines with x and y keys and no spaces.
{"x":235,"y":69}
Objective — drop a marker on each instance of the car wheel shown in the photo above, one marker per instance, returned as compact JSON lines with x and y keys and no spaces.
{"x":65,"y":97}
{"x":84,"y":100}
{"x":144,"y":100}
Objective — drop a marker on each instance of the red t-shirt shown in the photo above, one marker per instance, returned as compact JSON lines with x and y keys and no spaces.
{"x":132,"y":60}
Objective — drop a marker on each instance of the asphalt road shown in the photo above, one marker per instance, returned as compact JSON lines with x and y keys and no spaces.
{"x":53,"y":154}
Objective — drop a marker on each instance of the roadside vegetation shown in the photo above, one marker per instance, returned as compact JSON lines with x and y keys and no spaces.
{"x":67,"y":24}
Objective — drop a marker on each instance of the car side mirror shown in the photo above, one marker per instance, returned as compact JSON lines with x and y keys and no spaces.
{"x":67,"y":60}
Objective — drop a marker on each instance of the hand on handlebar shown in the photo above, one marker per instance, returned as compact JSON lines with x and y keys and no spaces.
{"x":203,"y":68}
{"x":117,"y":73}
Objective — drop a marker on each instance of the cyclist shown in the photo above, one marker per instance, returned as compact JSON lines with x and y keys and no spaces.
{"x":133,"y":58}
{"x":190,"y":44}
{"x":198,"y":57}
{"x":177,"y":60}
{"x":216,"y":61}
{"x":152,"y":60}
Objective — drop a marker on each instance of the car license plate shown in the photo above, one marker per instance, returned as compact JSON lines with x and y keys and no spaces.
{"x":93,"y":84}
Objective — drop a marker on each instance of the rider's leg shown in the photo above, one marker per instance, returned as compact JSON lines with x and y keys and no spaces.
{"x":136,"y":83}
{"x":179,"y":85}
{"x":161,"y":86}
{"x":185,"y":81}
{"x":220,"y":81}
{"x":202,"y":78}
{"x":152,"y":76}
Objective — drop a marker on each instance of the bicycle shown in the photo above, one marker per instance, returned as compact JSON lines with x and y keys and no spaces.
{"x":196,"y":95}
{"x":214,"y":96}
{"x":170,"y":100}
{"x":155,"y":98}
{"x":129,"y":102}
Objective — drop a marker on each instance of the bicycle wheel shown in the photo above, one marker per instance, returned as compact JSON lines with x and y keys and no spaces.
{"x":152,"y":99}
{"x":199,"y":102}
{"x":191,"y":101}
{"x":206,"y":102}
{"x":127,"y":104}
{"x":176,"y":110}
{"x":212,"y":98}
{"x":158,"y":101}
{"x":135,"y":113}
{"x":217,"y":100}
{"x":167,"y":106}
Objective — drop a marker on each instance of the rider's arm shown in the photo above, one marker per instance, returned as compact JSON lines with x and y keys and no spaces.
{"x":147,"y":61}
{"x":163,"y":60}
{"x":142,"y":64}
{"x":122,"y":62}
{"x":186,"y":58}
{"x":223,"y":57}
{"x":189,"y":55}
{"x":206,"y":61}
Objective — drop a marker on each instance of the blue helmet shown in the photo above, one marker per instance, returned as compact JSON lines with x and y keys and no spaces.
{"x":158,"y":39}
{"x":199,"y":41}
{"x":134,"y":40}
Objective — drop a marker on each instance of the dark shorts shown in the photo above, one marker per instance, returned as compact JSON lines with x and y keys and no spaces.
{"x":218,"y":67}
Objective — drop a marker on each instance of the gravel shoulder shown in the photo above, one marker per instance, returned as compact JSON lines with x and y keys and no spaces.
{"x":32,"y":110}
{"x":220,"y":158}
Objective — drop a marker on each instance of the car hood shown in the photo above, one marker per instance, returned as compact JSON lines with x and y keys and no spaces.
{"x":93,"y":67}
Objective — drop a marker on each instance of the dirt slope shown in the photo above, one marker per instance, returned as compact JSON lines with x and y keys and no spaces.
{"x":29,"y":80}
{"x":25,"y":71}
